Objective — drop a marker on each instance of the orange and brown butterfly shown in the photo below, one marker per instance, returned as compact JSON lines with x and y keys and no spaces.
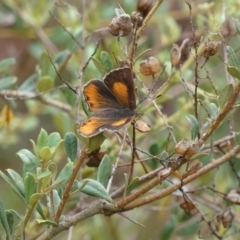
{"x":112,"y":102}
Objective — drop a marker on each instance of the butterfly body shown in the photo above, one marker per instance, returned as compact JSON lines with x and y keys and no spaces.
{"x":112,"y":102}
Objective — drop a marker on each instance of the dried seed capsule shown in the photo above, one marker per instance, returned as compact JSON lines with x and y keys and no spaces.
{"x":121,"y":26}
{"x":228,"y":28}
{"x":211,"y":48}
{"x":175,"y":55}
{"x":141,"y":126}
{"x":136,"y":19}
{"x":144,"y":6}
{"x":150,"y":66}
{"x":187,"y":147}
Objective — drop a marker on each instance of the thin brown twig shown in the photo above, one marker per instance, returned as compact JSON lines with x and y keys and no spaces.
{"x":68,"y":32}
{"x":165,"y":192}
{"x":226,"y":109}
{"x":60,"y":77}
{"x":195,"y":44}
{"x":69,"y":185}
{"x":22,"y":95}
{"x":133,"y":154}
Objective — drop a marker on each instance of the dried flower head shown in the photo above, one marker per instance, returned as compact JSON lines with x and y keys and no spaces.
{"x":211,"y":48}
{"x":150,"y":66}
{"x":136,"y":19}
{"x":121,"y":26}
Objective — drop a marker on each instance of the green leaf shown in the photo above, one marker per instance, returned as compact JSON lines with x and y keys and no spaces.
{"x":35,"y":198}
{"x":30,"y":186}
{"x":168,"y":229}
{"x":54,"y":139}
{"x":133,"y":184}
{"x":70,"y":144}
{"x":225,"y":94}
{"x":45,"y":83}
{"x":7,"y":179}
{"x":47,"y":222}
{"x":44,"y":63}
{"x":30,"y":162}
{"x":18,"y":180}
{"x":106,"y":61}
{"x":64,"y":174}
{"x":84,"y":106}
{"x":233,"y":58}
{"x":4,"y":221}
{"x":41,"y":174}
{"x":45,"y":153}
{"x":10,"y":220}
{"x":7,"y":82}
{"x":237,"y":25}
{"x":29,"y":84}
{"x":94,"y":188}
{"x":42,"y":140}
{"x":95,"y":142}
{"x":234,"y":72}
{"x":98,"y":64}
{"x":6,"y":63}
{"x":62,"y":57}
{"x":104,"y":170}
{"x":56,"y":199}
{"x":52,"y":167}
{"x":164,"y":155}
{"x":214,"y":110}
{"x":194,"y":126}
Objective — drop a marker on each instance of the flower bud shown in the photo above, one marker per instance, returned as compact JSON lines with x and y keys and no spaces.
{"x":150,"y":66}
{"x":121,"y":26}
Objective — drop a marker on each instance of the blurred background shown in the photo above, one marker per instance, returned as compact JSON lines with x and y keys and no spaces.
{"x":28,"y":28}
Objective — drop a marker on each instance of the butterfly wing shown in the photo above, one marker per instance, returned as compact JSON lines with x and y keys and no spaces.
{"x":120,"y":83}
{"x":106,"y":120}
{"x":98,"y":97}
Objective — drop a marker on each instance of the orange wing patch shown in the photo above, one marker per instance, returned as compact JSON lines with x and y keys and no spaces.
{"x":90,"y":127}
{"x":121,"y":122}
{"x":120,"y":90}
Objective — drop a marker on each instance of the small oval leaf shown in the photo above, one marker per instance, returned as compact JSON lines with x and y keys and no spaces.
{"x":233,"y":71}
{"x":70,"y":144}
{"x":104,"y":170}
{"x":233,"y":57}
{"x":214,"y":110}
{"x":30,"y":186}
{"x":194,"y":126}
{"x":106,"y":61}
{"x":45,"y":83}
{"x":225,"y":94}
{"x":94,"y":188}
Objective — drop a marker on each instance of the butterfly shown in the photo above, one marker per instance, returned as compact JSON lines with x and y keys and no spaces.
{"x":112,"y":102}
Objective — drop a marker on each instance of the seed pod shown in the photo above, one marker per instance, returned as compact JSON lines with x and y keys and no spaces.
{"x":228,"y":28}
{"x":193,"y":167}
{"x":175,"y":55}
{"x":141,"y":126}
{"x":150,"y":66}
{"x":144,"y":6}
{"x":211,"y":48}
{"x":186,"y":44}
{"x":187,"y":147}
{"x":121,"y":26}
{"x":136,"y":19}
